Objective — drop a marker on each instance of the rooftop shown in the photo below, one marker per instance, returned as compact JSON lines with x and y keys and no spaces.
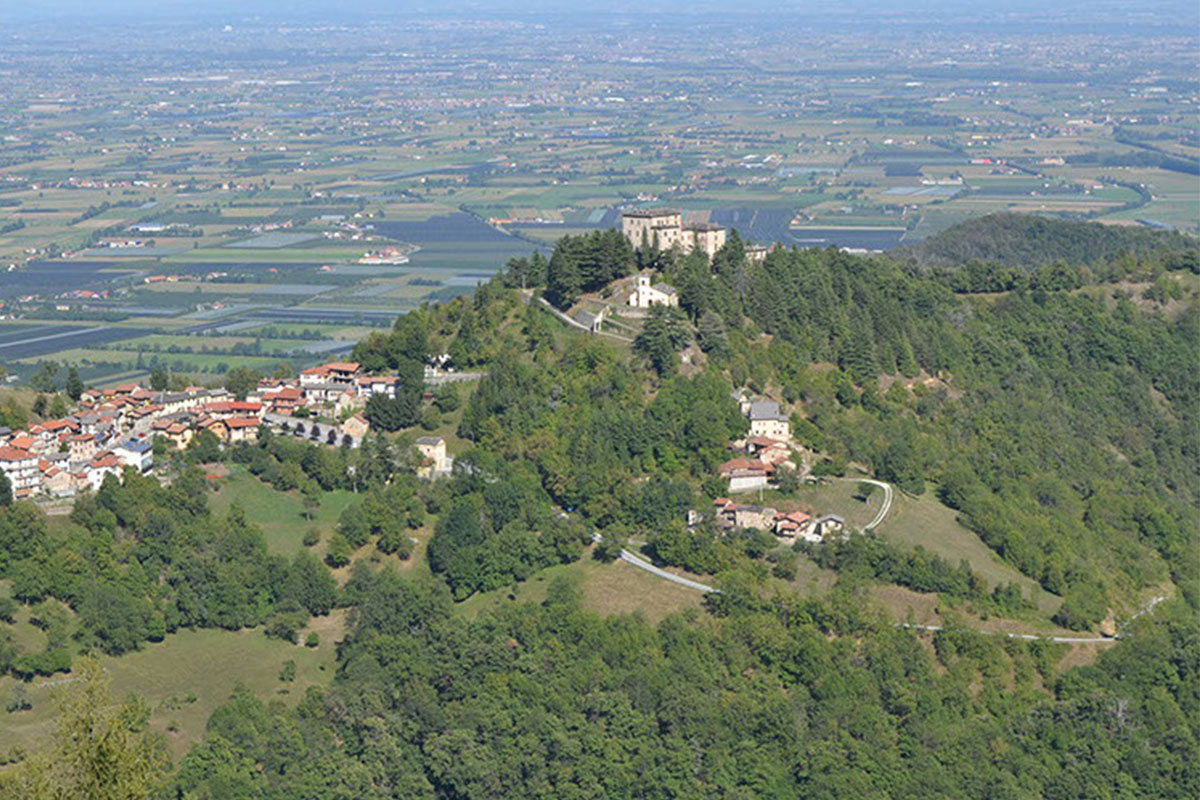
{"x":650,"y":213}
{"x":766,"y":409}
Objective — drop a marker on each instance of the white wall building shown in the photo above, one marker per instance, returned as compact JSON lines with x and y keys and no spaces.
{"x":21,"y":469}
{"x":646,"y":295}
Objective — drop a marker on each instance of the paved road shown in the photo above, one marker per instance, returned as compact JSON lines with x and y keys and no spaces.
{"x":642,"y":563}
{"x":888,"y":495}
{"x":1032,"y":637}
{"x":454,"y":377}
{"x":576,"y":324}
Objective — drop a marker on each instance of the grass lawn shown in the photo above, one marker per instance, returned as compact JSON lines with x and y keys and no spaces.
{"x":811,"y":581}
{"x":279,"y":514}
{"x":616,"y":588}
{"x":925,"y":521}
{"x":208,"y":663}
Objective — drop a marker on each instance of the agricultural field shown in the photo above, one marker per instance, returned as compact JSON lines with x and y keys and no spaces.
{"x":267,"y":217}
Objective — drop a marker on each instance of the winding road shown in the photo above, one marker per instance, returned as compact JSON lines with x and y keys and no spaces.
{"x":888,"y":496}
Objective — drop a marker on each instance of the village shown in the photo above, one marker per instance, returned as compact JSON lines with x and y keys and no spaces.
{"x":117,"y":428}
{"x":765,"y":451}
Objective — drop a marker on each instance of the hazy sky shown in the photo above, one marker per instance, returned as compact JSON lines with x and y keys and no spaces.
{"x":1180,"y":10}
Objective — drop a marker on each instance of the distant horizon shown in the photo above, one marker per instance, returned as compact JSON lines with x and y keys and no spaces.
{"x":1161,"y":12}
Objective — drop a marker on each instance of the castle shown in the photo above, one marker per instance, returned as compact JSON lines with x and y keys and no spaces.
{"x":666,"y":228}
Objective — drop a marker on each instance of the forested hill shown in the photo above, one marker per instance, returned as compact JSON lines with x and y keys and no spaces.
{"x":1027,"y":241}
{"x":1058,"y":423}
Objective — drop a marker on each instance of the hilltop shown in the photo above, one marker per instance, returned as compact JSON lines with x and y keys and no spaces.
{"x":823,"y":447}
{"x":1028,"y":241}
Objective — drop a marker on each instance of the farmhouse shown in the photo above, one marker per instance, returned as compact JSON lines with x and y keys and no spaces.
{"x":174,"y":431}
{"x":344,"y":373}
{"x":93,"y":474}
{"x":56,"y":482}
{"x":745,"y":474}
{"x":242,"y":429}
{"x":434,"y":457}
{"x":136,"y":453}
{"x":768,"y":421}
{"x":760,"y":517}
{"x":356,"y":426}
{"x":387,"y":385}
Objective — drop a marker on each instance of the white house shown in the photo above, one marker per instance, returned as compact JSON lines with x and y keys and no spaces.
{"x":768,"y":421}
{"x":104,"y":464}
{"x":136,"y":453}
{"x":645,"y":295}
{"x":21,"y":469}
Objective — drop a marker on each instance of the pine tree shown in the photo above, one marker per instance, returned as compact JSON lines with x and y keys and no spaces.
{"x":858,"y":353}
{"x":564,"y":280}
{"x":74,"y":384}
{"x":711,"y":335}
{"x":101,"y":749}
{"x":664,"y":333}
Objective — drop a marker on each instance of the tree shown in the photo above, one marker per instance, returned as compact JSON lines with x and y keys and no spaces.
{"x":340,"y":551}
{"x":787,"y":480}
{"x":74,"y":384}
{"x":204,"y":448}
{"x":58,"y":406}
{"x":564,"y":281}
{"x":46,"y":377}
{"x":609,"y":548}
{"x":664,"y":333}
{"x":391,"y":413}
{"x":447,"y":398}
{"x":711,"y":335}
{"x":160,"y":379}
{"x":310,"y":585}
{"x":240,"y":381}
{"x":101,"y":749}
{"x":6,"y":491}
{"x":310,"y":494}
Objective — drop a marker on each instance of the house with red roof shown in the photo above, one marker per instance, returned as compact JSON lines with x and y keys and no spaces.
{"x":95,"y":471}
{"x":339,"y":372}
{"x":243,"y":429}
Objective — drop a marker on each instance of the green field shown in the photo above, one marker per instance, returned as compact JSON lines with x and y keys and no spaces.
{"x":206,"y":663}
{"x":281,"y":515}
{"x":926,"y":522}
{"x":616,"y":588}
